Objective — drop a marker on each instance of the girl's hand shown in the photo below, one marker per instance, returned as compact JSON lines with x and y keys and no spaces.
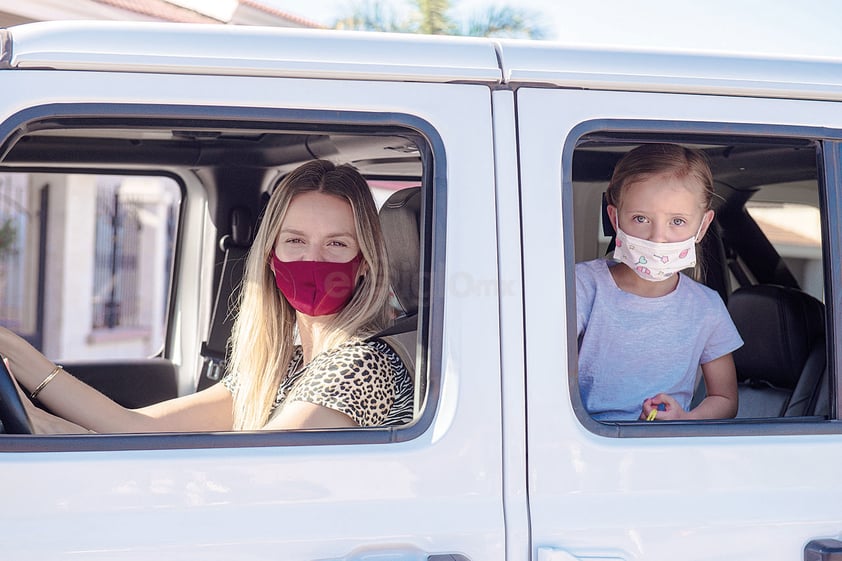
{"x":662,"y":407}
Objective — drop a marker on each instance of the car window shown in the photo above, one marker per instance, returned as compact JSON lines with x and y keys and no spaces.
{"x":86,"y":261}
{"x":763,"y":256}
{"x":128,"y":273}
{"x":795,"y":231}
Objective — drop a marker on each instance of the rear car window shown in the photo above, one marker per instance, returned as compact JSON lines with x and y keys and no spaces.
{"x":86,"y":261}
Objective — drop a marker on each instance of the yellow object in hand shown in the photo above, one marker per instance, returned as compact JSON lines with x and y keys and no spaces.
{"x":652,"y":415}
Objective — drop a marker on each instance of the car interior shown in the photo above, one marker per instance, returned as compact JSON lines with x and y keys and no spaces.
{"x":227,"y":167}
{"x":761,"y":255}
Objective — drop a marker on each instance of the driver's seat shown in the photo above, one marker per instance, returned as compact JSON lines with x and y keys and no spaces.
{"x":400,"y":220}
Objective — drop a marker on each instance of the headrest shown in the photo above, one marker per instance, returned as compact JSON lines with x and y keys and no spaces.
{"x":780,"y":327}
{"x":400,"y":219}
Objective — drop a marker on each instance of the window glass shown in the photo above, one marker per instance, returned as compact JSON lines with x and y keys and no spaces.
{"x":95,"y":258}
{"x":762,"y":256}
{"x":86,"y":261}
{"x":19,"y":229}
{"x":795,"y":230}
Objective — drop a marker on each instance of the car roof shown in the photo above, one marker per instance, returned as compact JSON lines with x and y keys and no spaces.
{"x":248,"y":51}
{"x":649,"y":70}
{"x":285,"y":52}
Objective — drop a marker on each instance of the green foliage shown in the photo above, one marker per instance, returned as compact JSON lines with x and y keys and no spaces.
{"x":505,"y":21}
{"x":371,"y":15}
{"x":8,"y":238}
{"x":431,"y":17}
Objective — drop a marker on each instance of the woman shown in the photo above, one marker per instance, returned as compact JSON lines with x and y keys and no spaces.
{"x":316,"y":275}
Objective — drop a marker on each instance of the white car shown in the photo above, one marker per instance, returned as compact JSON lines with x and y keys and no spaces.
{"x":133,"y":166}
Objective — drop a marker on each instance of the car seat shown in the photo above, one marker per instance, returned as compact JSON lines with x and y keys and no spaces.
{"x":780,"y":367}
{"x":400,"y":220}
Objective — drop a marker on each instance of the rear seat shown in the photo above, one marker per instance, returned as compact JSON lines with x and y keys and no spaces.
{"x":781,"y":366}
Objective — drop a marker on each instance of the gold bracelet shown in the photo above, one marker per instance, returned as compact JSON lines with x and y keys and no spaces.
{"x":46,"y":381}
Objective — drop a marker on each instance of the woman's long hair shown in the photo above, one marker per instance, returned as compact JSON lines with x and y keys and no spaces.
{"x":264,"y":329}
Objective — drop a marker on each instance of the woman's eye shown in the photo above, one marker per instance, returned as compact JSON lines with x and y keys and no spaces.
{"x":337,"y":243}
{"x":294,"y":240}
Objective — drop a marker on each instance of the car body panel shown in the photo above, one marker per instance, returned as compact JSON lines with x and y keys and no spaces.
{"x":595,"y":496}
{"x":265,"y":502}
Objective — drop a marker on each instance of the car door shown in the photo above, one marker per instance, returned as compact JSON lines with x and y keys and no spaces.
{"x":725,"y":490}
{"x":431,"y":490}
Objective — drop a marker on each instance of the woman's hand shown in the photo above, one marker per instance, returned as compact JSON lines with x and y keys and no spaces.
{"x":662,"y":407}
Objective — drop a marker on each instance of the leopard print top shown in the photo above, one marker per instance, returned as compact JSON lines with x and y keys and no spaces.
{"x":365,"y":380}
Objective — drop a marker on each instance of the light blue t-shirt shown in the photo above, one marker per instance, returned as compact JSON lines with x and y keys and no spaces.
{"x":635,"y":347}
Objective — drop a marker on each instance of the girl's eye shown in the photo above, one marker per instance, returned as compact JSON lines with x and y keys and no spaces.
{"x":678,"y":222}
{"x":639,"y":219}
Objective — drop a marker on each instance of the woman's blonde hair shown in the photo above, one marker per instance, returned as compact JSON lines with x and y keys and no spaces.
{"x":263,"y":335}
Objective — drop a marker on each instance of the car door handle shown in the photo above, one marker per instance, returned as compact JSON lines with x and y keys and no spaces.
{"x":546,"y":553}
{"x":827,"y":549}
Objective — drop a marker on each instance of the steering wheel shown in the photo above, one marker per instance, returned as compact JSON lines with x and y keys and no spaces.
{"x":13,"y":414}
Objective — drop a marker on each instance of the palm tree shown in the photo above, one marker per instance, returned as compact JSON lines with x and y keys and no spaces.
{"x":372,"y":15}
{"x":431,"y":17}
{"x":504,"y":21}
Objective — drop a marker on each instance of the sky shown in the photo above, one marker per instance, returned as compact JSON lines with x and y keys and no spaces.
{"x":783,"y":27}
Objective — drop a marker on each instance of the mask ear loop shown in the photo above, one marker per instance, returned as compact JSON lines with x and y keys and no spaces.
{"x":699,"y":231}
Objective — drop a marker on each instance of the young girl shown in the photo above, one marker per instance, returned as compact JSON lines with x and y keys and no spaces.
{"x":645,"y":327}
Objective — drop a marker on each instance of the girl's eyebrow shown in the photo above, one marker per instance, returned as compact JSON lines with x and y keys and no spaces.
{"x":648,"y":212}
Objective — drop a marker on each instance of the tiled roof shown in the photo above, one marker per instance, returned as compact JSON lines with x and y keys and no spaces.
{"x":166,"y":11}
{"x":281,"y":14}
{"x":160,"y":9}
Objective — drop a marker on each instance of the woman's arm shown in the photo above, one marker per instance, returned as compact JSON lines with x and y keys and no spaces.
{"x":304,"y":415}
{"x":87,"y":408}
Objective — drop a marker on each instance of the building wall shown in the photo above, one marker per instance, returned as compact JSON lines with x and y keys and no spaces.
{"x":245,"y":12}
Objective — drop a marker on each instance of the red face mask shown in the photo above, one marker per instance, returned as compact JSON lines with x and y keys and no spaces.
{"x":316,"y":288}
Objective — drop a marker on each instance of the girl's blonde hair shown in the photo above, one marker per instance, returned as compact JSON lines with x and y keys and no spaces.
{"x":264,"y":329}
{"x":653,"y":159}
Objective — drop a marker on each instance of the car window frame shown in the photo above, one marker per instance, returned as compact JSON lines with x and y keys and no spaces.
{"x":829,"y":178}
{"x":433,"y":231}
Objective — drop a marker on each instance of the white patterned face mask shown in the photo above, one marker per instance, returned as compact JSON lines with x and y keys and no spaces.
{"x":655,"y":261}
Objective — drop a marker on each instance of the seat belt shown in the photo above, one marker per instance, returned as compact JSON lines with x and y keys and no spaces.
{"x":235,"y":249}
{"x":401,"y":325}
